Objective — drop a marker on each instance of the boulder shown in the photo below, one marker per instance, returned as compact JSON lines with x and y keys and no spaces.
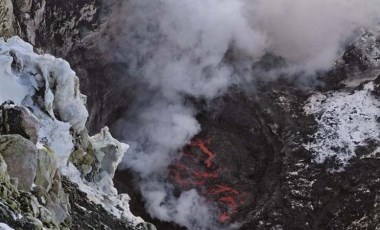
{"x":19,"y":120}
{"x":46,"y":168}
{"x":21,"y":157}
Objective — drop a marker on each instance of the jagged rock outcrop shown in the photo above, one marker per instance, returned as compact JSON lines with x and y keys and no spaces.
{"x":18,"y":120}
{"x":21,"y":155}
{"x":42,"y":136}
{"x":74,"y":30}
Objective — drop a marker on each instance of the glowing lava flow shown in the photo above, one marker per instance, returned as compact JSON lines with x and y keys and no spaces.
{"x":202,"y":146}
{"x":196,"y":168}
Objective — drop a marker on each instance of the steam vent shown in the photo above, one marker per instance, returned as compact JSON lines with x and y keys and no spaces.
{"x":189,"y":114}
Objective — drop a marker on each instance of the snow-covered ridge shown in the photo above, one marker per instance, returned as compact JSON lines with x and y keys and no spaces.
{"x":346,"y":120}
{"x":46,"y":90}
{"x":60,"y":84}
{"x":59,"y":106}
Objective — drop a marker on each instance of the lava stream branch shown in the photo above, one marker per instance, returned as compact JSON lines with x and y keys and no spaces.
{"x":197,"y":168}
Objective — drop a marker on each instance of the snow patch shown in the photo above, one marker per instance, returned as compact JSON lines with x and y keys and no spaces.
{"x":345,"y":121}
{"x":4,"y":226}
{"x":10,"y":87}
{"x":102,"y":190}
{"x":117,"y":205}
{"x":56,"y":135}
{"x":109,"y":152}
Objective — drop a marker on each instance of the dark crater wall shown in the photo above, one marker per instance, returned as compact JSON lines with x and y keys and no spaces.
{"x":257,"y":136}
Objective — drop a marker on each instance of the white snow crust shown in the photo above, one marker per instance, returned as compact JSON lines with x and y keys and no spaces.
{"x":346,"y":120}
{"x":4,"y":226}
{"x":23,"y":73}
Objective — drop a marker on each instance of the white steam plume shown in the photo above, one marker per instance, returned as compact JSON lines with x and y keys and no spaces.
{"x":175,"y":49}
{"x":312,"y":33}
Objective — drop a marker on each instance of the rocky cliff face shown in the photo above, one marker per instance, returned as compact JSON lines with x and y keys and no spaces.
{"x":50,"y":166}
{"x":73,"y":30}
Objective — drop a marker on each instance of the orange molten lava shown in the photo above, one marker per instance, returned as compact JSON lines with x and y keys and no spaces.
{"x":197,"y":169}
{"x":202,"y":146}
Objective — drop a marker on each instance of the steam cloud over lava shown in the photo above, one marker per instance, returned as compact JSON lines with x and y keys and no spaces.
{"x":176,"y":50}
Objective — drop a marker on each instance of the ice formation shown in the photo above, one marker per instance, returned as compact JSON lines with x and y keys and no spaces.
{"x":48,"y":90}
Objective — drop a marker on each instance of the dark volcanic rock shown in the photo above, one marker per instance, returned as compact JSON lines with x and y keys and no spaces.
{"x":255,"y":143}
{"x":74,"y":30}
{"x":87,"y":215}
{"x":17,"y":120}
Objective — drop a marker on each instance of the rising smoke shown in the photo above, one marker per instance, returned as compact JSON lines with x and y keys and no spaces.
{"x":175,"y":50}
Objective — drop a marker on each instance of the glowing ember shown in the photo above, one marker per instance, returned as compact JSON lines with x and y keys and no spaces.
{"x":196,"y":168}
